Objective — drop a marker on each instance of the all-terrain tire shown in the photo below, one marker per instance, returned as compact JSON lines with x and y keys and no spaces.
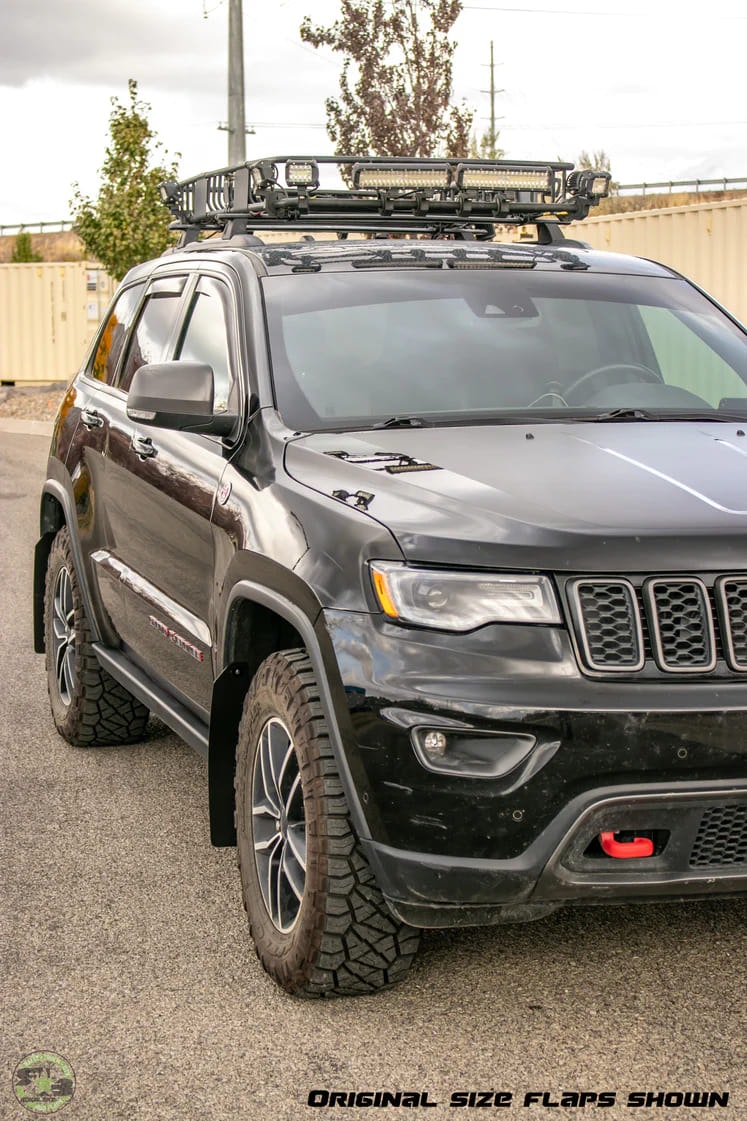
{"x":336,"y":935}
{"x":88,"y":706}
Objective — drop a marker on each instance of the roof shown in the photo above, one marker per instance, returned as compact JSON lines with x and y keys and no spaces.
{"x":382,"y":253}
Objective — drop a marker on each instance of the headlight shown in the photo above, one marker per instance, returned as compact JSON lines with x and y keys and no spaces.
{"x":461,"y":601}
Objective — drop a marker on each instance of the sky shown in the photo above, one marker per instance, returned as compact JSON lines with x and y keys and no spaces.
{"x":657,"y":84}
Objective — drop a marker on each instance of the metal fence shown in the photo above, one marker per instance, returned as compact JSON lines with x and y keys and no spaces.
{"x":36,"y":228}
{"x":706,"y":241}
{"x":684,"y":185}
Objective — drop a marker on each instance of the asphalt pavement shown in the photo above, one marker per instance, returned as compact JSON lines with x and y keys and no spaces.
{"x":124,"y":949}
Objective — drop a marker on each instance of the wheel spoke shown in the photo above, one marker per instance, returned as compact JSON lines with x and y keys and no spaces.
{"x":293,"y":873}
{"x":269,"y":787}
{"x":60,"y":667}
{"x":297,"y":844}
{"x":69,"y":666}
{"x":281,"y":750}
{"x":279,"y":825}
{"x":63,"y":636}
{"x":294,"y":790}
{"x":267,"y":847}
{"x":265,"y":853}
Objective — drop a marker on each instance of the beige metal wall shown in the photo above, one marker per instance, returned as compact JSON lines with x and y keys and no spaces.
{"x":48,"y":315}
{"x":707,"y":242}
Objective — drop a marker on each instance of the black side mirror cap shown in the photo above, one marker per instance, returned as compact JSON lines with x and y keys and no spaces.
{"x":177,"y":395}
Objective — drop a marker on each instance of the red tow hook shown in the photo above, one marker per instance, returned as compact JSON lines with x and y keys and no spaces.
{"x":626,"y":850}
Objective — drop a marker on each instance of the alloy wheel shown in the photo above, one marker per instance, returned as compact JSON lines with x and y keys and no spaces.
{"x":279,"y":825}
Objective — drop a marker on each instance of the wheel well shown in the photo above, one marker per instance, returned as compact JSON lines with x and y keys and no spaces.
{"x":253,"y":633}
{"x":52,"y":515}
{"x":52,"y":520}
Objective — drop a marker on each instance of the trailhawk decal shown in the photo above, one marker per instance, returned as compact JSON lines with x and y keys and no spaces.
{"x":177,"y":639}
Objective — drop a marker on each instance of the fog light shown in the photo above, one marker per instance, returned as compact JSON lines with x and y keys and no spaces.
{"x":471,"y":753}
{"x":435,"y":744}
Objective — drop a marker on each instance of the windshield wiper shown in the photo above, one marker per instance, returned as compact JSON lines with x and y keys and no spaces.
{"x":403,"y":422}
{"x":670,"y":415}
{"x":626,"y":414}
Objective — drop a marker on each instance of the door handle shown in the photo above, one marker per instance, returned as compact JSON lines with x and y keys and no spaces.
{"x":143,"y":446}
{"x":91,"y":419}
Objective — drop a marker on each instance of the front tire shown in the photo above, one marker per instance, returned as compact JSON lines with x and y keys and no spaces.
{"x":320,"y":924}
{"x":88,"y":706}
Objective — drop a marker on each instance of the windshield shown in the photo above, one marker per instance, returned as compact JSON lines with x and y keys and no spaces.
{"x":355,"y":349}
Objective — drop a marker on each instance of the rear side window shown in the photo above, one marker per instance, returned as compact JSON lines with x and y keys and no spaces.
{"x":112,"y":339}
{"x":152,"y":333}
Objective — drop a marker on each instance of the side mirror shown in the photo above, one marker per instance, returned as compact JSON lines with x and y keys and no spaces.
{"x":177,"y":395}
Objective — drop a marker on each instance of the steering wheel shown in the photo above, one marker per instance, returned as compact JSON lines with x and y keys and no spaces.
{"x":640,"y":373}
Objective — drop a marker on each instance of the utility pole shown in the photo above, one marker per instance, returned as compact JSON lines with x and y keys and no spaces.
{"x":492,"y":136}
{"x":236,"y":127}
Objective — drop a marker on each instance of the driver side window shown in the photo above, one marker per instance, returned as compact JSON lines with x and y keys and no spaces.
{"x":205,"y":337}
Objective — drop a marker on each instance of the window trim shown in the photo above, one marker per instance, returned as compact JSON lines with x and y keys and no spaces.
{"x":173,"y":284}
{"x":230,"y":283}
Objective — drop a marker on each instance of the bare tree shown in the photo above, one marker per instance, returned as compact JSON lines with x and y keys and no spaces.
{"x":396,"y":80}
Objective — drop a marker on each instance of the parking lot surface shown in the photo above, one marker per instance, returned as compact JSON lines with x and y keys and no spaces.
{"x":124,"y":949}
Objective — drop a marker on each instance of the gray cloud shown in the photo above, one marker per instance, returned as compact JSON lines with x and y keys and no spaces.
{"x":90,"y":42}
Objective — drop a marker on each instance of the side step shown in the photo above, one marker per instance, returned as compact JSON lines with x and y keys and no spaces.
{"x":179,"y":718}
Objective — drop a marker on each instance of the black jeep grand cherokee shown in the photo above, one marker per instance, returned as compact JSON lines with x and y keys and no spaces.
{"x":435,"y":548}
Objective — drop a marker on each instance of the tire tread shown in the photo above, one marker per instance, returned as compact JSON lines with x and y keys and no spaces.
{"x":356,"y":945}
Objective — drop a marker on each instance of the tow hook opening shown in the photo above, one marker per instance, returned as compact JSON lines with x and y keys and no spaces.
{"x":627,"y":844}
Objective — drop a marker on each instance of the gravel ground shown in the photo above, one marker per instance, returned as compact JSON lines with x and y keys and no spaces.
{"x":38,"y":402}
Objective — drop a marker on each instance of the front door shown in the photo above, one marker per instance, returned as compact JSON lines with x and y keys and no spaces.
{"x":161,"y":486}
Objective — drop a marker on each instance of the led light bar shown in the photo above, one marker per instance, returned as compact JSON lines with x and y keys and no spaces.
{"x":504,"y":178}
{"x":396,"y":175}
{"x":302,"y":173}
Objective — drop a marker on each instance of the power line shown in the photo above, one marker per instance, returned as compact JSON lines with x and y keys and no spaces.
{"x":581,"y":12}
{"x":637,"y":124}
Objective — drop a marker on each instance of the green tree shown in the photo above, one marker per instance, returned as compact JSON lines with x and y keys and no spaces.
{"x":127,"y":223}
{"x":396,"y":80}
{"x":22,"y":251}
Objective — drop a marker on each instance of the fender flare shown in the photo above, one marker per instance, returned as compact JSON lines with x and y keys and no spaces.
{"x":56,"y":490}
{"x":232,"y":684}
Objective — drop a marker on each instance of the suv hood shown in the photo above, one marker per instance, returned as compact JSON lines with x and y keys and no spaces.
{"x":605,"y":496}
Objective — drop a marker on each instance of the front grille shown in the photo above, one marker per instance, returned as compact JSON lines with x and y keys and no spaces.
{"x":682,"y":632}
{"x":669,"y":624}
{"x":722,"y":837}
{"x":611,"y":633}
{"x":733,"y":597}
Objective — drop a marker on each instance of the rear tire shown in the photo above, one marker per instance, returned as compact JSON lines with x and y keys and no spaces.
{"x":88,"y":706}
{"x":320,"y":924}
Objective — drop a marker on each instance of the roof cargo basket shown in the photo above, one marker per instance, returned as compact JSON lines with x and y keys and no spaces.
{"x":431,"y":197}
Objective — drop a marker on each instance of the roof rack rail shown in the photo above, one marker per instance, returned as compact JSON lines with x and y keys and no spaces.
{"x":392,"y":194}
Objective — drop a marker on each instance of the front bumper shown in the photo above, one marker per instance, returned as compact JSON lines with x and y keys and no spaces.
{"x":702,"y":853}
{"x":666,"y":759}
